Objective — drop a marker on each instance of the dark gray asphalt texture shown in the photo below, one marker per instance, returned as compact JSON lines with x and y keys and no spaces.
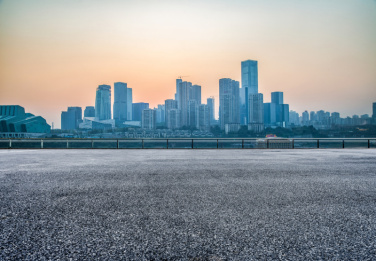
{"x":188,"y":204}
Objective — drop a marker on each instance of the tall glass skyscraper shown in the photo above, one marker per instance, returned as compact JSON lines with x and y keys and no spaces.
{"x":184,"y":89}
{"x":103,"y":102}
{"x":120,"y":102}
{"x":228,"y":102}
{"x":211,"y":107}
{"x":249,"y":70}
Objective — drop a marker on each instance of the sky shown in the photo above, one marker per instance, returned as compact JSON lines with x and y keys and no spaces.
{"x":54,"y":54}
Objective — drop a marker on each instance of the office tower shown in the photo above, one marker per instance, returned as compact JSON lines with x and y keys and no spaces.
{"x":120,"y":102}
{"x":173,"y":119}
{"x":256,"y":112}
{"x":137,"y":109}
{"x":89,"y":111}
{"x":103,"y":102}
{"x":305,"y":118}
{"x":294,"y":118}
{"x":68,"y":120}
{"x":270,"y":114}
{"x":193,"y":120}
{"x":177,"y":94}
{"x":335,"y":118}
{"x":170,"y":105}
{"x":277,"y":97}
{"x":148,"y":119}
{"x":129,"y":104}
{"x":195,"y":93}
{"x":211,"y":107}
{"x":312,"y":117}
{"x":160,"y":111}
{"x":184,"y":89}
{"x":281,"y":109}
{"x":228,"y":102}
{"x":71,"y":118}
{"x":374,"y":113}
{"x":249,"y":71}
{"x":204,"y":117}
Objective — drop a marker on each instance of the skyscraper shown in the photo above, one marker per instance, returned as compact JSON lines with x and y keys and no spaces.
{"x":277,"y":97}
{"x":270,"y":114}
{"x":148,"y":119}
{"x":256,"y":112}
{"x":103,"y":102}
{"x":211,"y":107}
{"x":195,"y":93}
{"x":89,"y":111}
{"x":129,"y":104}
{"x":177,"y":94}
{"x":120,"y":102}
{"x":193,"y":120}
{"x":249,"y":71}
{"x":137,"y":109}
{"x":184,"y":89}
{"x":160,"y":111}
{"x":71,"y":118}
{"x":204,"y":117}
{"x":170,"y":105}
{"x":374,"y":112}
{"x":228,"y":102}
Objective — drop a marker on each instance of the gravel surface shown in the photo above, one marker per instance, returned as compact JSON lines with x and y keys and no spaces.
{"x":188,"y":204}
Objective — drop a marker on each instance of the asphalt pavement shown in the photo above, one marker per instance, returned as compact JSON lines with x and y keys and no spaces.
{"x":188,"y":204}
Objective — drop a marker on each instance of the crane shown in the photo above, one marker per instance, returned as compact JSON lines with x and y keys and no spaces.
{"x":179,"y":77}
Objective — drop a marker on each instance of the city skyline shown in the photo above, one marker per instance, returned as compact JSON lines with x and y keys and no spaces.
{"x":54,"y":56}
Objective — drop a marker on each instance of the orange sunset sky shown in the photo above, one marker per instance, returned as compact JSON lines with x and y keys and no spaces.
{"x":54,"y":54}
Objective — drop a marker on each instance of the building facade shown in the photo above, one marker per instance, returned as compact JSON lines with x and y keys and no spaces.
{"x":103,"y":102}
{"x":228,"y":102}
{"x":148,"y":119}
{"x":256,"y":112}
{"x":249,"y":78}
{"x":137,"y":109}
{"x":89,"y":111}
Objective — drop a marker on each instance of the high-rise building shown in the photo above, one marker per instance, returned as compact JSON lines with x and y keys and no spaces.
{"x":120,"y":102}
{"x":184,"y":89}
{"x":211,"y":107}
{"x":71,"y":118}
{"x":256,"y":112}
{"x":374,"y":112}
{"x":228,"y":102}
{"x":68,"y":120}
{"x":277,"y":97}
{"x":204,"y":117}
{"x":294,"y":118}
{"x":193,"y":120}
{"x":160,"y":111}
{"x":270,"y":114}
{"x":177,"y":94}
{"x":173,"y":119}
{"x":195,"y":93}
{"x":103,"y":102}
{"x":305,"y":118}
{"x":148,"y":119}
{"x":249,"y":71}
{"x":276,"y":113}
{"x":129,"y":104}
{"x":170,"y":105}
{"x":89,"y":111}
{"x":137,"y":109}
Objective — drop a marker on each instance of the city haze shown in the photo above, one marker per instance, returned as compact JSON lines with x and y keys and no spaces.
{"x":54,"y":54}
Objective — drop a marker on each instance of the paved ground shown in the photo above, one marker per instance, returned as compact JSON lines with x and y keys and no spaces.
{"x":188,"y":204}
